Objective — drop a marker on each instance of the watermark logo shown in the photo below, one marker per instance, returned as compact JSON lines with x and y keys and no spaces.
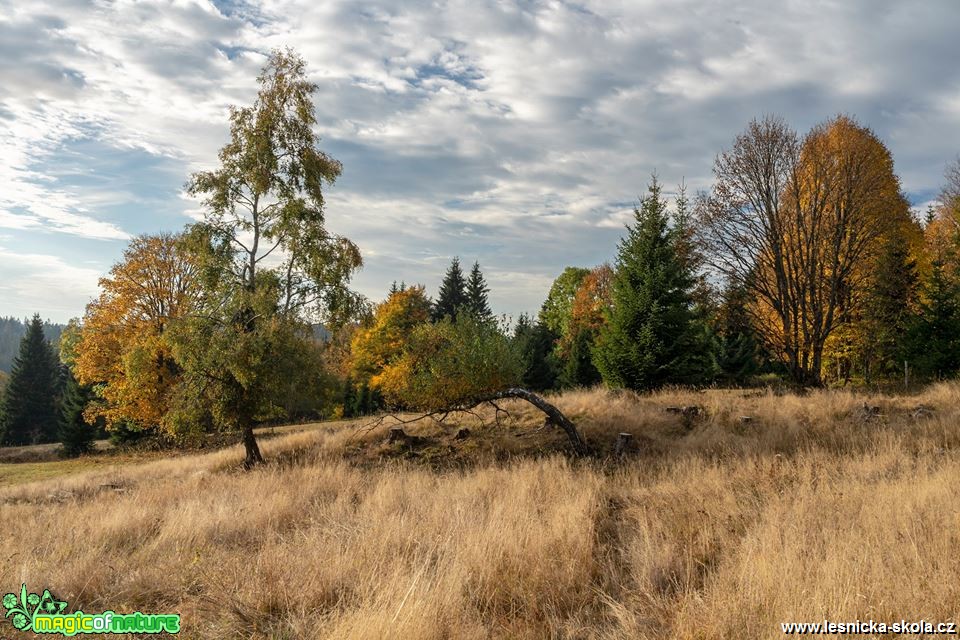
{"x":24,"y":609}
{"x":44,"y":614}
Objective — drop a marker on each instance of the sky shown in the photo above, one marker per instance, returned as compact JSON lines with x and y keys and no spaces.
{"x":514,"y":133}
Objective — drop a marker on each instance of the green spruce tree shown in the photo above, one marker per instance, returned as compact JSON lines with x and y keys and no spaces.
{"x":29,"y":407}
{"x":579,"y":369}
{"x":935,"y":338}
{"x":652,"y":337}
{"x":349,"y":398}
{"x":535,"y":343}
{"x":889,"y":311}
{"x":477,"y":291}
{"x":453,"y":293}
{"x":737,"y":351}
{"x":74,"y":434}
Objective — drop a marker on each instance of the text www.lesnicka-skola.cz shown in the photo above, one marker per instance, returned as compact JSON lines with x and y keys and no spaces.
{"x":869,"y":626}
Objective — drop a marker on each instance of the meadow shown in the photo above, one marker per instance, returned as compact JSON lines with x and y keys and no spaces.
{"x":764,"y":508}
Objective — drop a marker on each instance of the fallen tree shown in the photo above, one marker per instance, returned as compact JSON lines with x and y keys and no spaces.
{"x":553,"y":415}
{"x":457,"y":365}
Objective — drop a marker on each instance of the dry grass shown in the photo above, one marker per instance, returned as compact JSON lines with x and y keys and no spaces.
{"x":712,"y":528}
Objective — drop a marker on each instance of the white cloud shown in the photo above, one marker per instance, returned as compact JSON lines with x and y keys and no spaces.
{"x":45,"y":284}
{"x":511,"y":132}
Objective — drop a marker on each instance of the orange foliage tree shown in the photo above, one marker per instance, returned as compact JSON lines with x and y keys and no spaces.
{"x":385,"y":336}
{"x":588,"y":309}
{"x":451,"y":363}
{"x":120,"y":348}
{"x":795,"y":222}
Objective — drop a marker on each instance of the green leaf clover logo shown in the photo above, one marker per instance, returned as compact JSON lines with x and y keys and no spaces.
{"x":24,"y":608}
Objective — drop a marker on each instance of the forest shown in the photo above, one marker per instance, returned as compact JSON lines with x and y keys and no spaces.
{"x":803,"y":266}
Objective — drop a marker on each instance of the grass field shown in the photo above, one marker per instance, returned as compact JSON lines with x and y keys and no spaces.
{"x":764,"y":509}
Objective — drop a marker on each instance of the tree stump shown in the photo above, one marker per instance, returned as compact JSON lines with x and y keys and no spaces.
{"x":396,"y":434}
{"x":691,"y":411}
{"x":623,"y":444}
{"x":921,"y":411}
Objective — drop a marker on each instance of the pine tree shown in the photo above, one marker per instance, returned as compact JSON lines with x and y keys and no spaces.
{"x":29,"y":408}
{"x":535,"y":344}
{"x":890,"y":302}
{"x":935,"y":338}
{"x":737,"y":352}
{"x":653,"y":336}
{"x":579,"y":369}
{"x":477,"y":291}
{"x":453,"y":293}
{"x":349,"y":396}
{"x":74,"y":433}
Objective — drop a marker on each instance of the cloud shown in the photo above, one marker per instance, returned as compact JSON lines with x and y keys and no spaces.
{"x":45,"y":284}
{"x":517,"y":132}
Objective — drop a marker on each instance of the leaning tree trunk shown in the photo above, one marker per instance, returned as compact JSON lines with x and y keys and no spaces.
{"x":554,"y":415}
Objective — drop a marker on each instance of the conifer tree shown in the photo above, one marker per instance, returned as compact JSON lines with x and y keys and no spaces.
{"x":890,"y":303}
{"x":579,"y":369}
{"x":29,"y":409}
{"x":453,"y":293}
{"x":737,"y":351}
{"x":349,"y":396}
{"x":535,"y":343}
{"x":652,"y":336}
{"x":74,"y":433}
{"x":935,"y":337}
{"x":477,"y":291}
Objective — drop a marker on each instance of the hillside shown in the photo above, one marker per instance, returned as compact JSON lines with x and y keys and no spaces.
{"x":763,"y":509}
{"x":11,"y":330}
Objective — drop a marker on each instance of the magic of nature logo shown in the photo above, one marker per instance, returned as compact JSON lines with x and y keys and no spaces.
{"x":43,"y":613}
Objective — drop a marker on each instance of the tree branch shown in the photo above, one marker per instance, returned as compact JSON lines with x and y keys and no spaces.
{"x":554,"y":415}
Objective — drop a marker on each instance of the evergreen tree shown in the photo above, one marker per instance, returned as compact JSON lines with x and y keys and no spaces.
{"x":889,"y":309}
{"x":453,"y":293}
{"x":935,"y":337}
{"x":477,"y":293}
{"x":535,"y":344}
{"x":74,"y":433}
{"x":349,"y":398}
{"x":579,"y":369}
{"x":736,"y":343}
{"x":652,"y":336}
{"x":29,"y":409}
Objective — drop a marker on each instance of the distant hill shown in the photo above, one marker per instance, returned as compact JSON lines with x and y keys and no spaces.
{"x":12,"y":329}
{"x":321,"y":333}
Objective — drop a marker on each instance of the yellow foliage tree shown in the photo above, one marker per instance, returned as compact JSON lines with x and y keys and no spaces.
{"x":797,"y":223}
{"x":451,"y":363}
{"x":374,"y":346}
{"x":120,"y":348}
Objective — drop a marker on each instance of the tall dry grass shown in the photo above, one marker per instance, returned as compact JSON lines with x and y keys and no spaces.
{"x":711,"y":528}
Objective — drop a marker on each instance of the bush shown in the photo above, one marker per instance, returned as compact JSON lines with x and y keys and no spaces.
{"x":451,"y":363}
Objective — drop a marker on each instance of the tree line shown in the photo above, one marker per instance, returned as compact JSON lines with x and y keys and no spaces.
{"x":12,"y":331}
{"x":41,"y":401}
{"x":803,"y":261}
